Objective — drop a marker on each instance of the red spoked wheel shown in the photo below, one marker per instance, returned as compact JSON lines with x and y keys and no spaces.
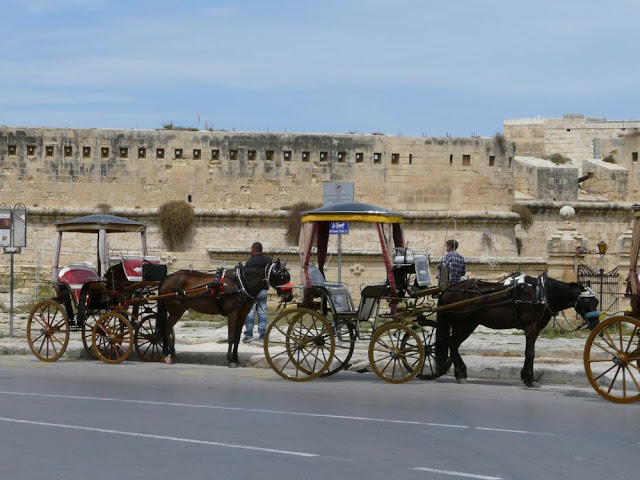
{"x":112,"y":338}
{"x":48,"y":330}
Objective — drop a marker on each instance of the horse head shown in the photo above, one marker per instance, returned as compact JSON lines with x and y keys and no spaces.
{"x":279,"y":278}
{"x":587,"y":306}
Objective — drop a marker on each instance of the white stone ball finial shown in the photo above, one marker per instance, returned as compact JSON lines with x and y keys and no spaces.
{"x":567,"y":213}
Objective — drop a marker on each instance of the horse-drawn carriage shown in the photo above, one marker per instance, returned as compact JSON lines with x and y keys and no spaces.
{"x":410,"y":324}
{"x":612,"y":352}
{"x":109,"y":301}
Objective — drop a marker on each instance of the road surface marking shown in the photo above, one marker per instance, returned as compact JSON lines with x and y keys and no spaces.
{"x":273,"y":412}
{"x":457,"y":474}
{"x":159,"y":437}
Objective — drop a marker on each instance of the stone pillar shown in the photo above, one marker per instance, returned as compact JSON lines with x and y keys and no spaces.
{"x":623,"y":243}
{"x":566,"y":249}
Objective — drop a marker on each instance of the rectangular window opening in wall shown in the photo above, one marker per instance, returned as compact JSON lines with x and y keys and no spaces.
{"x":306,"y":156}
{"x":342,"y":157}
{"x":510,"y":161}
{"x":324,"y":156}
{"x":189,"y":198}
{"x":377,"y":158}
{"x":104,"y":152}
{"x":634,"y":156}
{"x":410,"y":158}
{"x":492,"y":160}
{"x":197,"y":154}
{"x":48,"y":151}
{"x":124,"y":152}
{"x":466,"y":160}
{"x":68,"y":151}
{"x":215,"y":154}
{"x":142,"y":152}
{"x":451,"y":158}
{"x":12,"y":149}
{"x":177,"y":153}
{"x":287,"y":155}
{"x":395,"y":158}
{"x":251,"y":155}
{"x":159,"y":152}
{"x":31,"y":150}
{"x":86,"y":152}
{"x":233,"y":154}
{"x":269,"y":155}
{"x":359,"y":157}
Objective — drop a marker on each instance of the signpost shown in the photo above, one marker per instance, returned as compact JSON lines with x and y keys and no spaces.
{"x":334,"y":193}
{"x":13,"y":236}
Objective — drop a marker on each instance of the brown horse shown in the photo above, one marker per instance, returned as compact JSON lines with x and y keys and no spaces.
{"x":230,"y":293}
{"x":525,"y":303}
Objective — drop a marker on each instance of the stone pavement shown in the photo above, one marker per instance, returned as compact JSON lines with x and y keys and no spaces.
{"x":495,"y":355}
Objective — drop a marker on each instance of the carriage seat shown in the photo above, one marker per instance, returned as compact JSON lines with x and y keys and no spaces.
{"x":75,"y":276}
{"x":370,"y":297}
{"x":336,"y":293}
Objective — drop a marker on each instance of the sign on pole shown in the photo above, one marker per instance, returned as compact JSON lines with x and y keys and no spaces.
{"x":339,"y":228}
{"x":334,"y":193}
{"x":5,"y":225}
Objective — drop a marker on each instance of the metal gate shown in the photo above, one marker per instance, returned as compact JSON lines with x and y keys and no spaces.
{"x":604,"y":284}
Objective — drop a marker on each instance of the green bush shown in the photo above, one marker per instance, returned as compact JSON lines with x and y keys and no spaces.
{"x":557,"y":158}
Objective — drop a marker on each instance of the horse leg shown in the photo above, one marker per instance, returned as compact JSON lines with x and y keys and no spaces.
{"x":234,"y":330}
{"x":459,"y":333}
{"x":529,"y":354}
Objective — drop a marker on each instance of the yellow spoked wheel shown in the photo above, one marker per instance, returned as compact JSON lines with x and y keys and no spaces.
{"x":299,"y":344}
{"x":396,"y":352}
{"x":48,"y":330}
{"x":112,"y":338}
{"x":426,"y":330}
{"x":612,"y":359}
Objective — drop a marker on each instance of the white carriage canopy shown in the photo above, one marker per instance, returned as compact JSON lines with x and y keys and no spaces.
{"x":314,"y":232}
{"x":100,"y":225}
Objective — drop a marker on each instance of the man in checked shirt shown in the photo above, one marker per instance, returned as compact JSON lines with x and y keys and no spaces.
{"x":455,"y":261}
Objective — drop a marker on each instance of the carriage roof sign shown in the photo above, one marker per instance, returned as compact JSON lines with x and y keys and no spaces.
{"x":95,"y":223}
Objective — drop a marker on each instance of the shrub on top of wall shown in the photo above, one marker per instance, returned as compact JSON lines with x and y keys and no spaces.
{"x":557,"y":158}
{"x":176,"y":222}
{"x":293,"y":221}
{"x":526,"y":217}
{"x":104,"y":208}
{"x":609,"y":158}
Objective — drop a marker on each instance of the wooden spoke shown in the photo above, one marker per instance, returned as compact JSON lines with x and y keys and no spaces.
{"x":112,"y":338}
{"x":48,"y":330}
{"x":396,"y":352}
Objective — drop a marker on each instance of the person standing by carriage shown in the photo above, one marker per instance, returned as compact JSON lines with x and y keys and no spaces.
{"x":455,"y":262}
{"x":258,"y":259}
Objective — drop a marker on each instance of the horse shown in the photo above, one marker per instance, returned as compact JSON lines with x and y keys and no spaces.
{"x":229,"y":293}
{"x":521,"y":302}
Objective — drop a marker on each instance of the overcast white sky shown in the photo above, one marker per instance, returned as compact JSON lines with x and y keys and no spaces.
{"x":414,"y":67}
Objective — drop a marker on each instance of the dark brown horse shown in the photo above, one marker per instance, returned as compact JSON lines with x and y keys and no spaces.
{"x":230,"y":293}
{"x":525,"y":303}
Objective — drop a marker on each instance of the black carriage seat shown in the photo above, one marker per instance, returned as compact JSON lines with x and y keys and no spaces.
{"x":369,"y":302}
{"x":336,"y":295}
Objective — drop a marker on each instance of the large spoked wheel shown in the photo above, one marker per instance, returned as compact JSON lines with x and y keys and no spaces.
{"x":87,"y":328}
{"x":299,"y":344}
{"x":396,"y":352}
{"x":427,"y":332}
{"x":48,"y":330}
{"x":112,"y":338}
{"x":148,"y":340}
{"x":345,"y":334}
{"x":612,"y":359}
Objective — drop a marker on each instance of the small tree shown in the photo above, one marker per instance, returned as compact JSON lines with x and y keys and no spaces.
{"x":177,"y":219}
{"x":293,"y":221}
{"x":526,"y":217}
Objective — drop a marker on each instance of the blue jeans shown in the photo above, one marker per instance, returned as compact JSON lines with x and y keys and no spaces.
{"x":260,"y":307}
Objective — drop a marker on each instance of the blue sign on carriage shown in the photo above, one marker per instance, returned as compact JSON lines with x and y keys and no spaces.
{"x":336,"y":228}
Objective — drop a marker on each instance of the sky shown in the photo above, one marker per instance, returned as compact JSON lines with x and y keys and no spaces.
{"x":403,"y":67}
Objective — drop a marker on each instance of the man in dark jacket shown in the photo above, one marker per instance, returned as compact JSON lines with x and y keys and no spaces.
{"x":258,"y":259}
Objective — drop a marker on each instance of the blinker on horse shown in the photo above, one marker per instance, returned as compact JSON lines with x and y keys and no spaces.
{"x":230,"y":293}
{"x":526,"y":303}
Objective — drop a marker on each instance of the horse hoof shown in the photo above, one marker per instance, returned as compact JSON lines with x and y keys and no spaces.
{"x":461,"y":381}
{"x":168,"y":360}
{"x":533,"y":385}
{"x":233,"y":365}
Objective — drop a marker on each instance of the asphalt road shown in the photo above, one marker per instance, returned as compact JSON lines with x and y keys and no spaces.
{"x":79,"y":419}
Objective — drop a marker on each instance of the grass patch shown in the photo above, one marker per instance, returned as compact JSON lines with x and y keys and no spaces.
{"x":557,"y":158}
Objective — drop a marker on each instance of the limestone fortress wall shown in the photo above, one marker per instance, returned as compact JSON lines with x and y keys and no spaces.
{"x":241,"y":183}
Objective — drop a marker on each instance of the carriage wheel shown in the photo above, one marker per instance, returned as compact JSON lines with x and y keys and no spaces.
{"x":148,"y":341}
{"x":48,"y":330}
{"x":299,"y":344}
{"x":112,"y":337}
{"x":87,"y":327}
{"x":612,"y":359}
{"x":345,"y":337}
{"x":427,"y":332}
{"x":393,"y":357}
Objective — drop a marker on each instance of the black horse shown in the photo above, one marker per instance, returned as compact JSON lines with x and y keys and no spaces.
{"x":230,"y":293}
{"x":522,"y":302}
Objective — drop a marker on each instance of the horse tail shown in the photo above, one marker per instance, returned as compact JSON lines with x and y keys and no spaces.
{"x":161,"y":320}
{"x":443,"y":333}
